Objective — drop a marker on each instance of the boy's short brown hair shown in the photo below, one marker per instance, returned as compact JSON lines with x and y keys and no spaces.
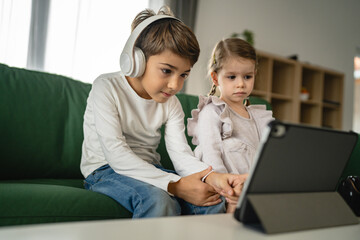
{"x":166,"y":34}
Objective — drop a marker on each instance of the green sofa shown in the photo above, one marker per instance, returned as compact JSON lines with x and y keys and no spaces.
{"x":40,"y":143}
{"x":41,"y":117}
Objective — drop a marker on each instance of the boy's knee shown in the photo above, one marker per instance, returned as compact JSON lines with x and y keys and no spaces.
{"x":158,"y":204}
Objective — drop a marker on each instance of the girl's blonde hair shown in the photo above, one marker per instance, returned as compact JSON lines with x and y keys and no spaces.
{"x":166,"y":34}
{"x":230,"y":47}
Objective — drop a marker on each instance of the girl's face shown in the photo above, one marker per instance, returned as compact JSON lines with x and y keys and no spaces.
{"x":235,"y":79}
{"x":164,"y":76}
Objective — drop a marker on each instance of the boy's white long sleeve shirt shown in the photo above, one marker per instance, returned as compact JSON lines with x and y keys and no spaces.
{"x":123,"y":130}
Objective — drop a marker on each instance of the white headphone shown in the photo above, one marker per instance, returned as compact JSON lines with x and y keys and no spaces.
{"x":132,"y":59}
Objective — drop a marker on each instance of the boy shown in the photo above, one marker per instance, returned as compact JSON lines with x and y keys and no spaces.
{"x":122,"y":124}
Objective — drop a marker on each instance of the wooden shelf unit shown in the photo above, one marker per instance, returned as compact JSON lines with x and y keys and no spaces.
{"x":279,"y":80}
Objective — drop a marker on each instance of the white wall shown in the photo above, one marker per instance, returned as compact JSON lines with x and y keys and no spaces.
{"x":321,"y":32}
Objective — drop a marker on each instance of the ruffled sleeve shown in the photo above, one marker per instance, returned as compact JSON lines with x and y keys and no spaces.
{"x":223,"y":112}
{"x":261,"y":116}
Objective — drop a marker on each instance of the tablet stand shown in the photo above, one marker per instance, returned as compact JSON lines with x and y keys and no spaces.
{"x":284,"y":212}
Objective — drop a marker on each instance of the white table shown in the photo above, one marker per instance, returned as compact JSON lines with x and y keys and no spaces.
{"x":219,"y":227}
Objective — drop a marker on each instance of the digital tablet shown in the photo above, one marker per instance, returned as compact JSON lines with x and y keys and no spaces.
{"x":294,"y":158}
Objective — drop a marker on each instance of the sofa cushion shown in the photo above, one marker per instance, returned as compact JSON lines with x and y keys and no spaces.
{"x":41,"y":203}
{"x":40,"y":124}
{"x":77,"y":183}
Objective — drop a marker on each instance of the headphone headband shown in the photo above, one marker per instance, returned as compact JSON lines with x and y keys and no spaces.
{"x":132,"y":59}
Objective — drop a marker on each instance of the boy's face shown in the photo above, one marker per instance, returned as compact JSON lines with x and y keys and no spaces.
{"x":164,"y":76}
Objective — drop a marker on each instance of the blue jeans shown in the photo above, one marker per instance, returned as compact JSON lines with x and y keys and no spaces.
{"x":143,"y":199}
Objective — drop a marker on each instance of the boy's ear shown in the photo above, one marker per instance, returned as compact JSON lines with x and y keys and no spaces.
{"x":214,"y":78}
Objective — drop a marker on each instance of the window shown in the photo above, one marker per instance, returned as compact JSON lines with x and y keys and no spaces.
{"x":14,"y":31}
{"x":84,"y":37}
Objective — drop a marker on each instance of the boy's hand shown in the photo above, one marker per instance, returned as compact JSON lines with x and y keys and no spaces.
{"x":228,"y":185}
{"x":193,"y":190}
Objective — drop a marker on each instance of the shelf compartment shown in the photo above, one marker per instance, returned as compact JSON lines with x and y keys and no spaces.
{"x":258,"y":93}
{"x":312,"y":80}
{"x":333,"y":88}
{"x":282,"y":109}
{"x":264,"y":71}
{"x":310,"y":102}
{"x":281,"y":96}
{"x":310,"y":113}
{"x":334,"y":106}
{"x":283,"y":77}
{"x":331,"y":118}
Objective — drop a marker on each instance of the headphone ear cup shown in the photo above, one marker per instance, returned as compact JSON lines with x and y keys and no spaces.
{"x":132,"y":59}
{"x":126,"y":64}
{"x":139,"y":63}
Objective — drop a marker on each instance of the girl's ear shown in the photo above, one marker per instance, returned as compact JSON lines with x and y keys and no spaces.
{"x":214,"y":78}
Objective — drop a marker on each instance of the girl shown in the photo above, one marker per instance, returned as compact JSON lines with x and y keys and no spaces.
{"x":225,"y":130}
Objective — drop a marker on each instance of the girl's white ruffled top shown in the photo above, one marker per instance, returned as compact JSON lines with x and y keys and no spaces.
{"x":225,"y":140}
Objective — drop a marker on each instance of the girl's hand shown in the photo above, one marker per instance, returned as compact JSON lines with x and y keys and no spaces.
{"x":193,"y":190}
{"x":228,"y":185}
{"x":238,"y":183}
